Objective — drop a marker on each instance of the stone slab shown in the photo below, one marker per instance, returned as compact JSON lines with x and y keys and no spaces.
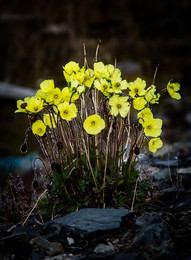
{"x":89,"y":220}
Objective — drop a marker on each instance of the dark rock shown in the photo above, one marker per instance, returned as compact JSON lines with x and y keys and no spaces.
{"x":17,"y":244}
{"x":152,"y":229}
{"x":153,"y":237}
{"x":88,"y":221}
{"x":182,"y":240}
{"x":44,"y":246}
{"x":160,"y":174}
{"x":37,"y":256}
{"x":128,"y":256}
{"x":185,"y":175}
{"x":30,"y":232}
{"x":98,"y":257}
{"x":172,"y":197}
{"x":60,"y":257}
{"x":3,"y":230}
{"x":165,"y":163}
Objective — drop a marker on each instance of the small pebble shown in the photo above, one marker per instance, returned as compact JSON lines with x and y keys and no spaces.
{"x":70,"y":241}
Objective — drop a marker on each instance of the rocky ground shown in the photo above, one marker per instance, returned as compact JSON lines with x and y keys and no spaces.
{"x":162,"y":232}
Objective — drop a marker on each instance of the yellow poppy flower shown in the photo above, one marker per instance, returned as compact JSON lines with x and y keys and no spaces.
{"x":155,"y":144}
{"x":21,"y":105}
{"x":88,"y":81}
{"x":94,"y":124}
{"x":144,"y":115}
{"x":118,"y":85}
{"x":47,"y":85}
{"x":79,"y":75}
{"x":34,"y":105}
{"x":114,"y":73}
{"x":172,"y":90}
{"x":151,"y":96}
{"x":110,"y":68}
{"x":152,"y":127}
{"x":54,"y":96}
{"x":137,"y":88}
{"x":104,"y":86}
{"x":40,"y":94}
{"x":67,"y":111}
{"x":70,"y":67}
{"x":139,"y":103}
{"x":155,"y":100}
{"x":119,"y":105}
{"x":66,"y":94}
{"x":39,"y":128}
{"x":100,"y":70}
{"x":69,"y":96}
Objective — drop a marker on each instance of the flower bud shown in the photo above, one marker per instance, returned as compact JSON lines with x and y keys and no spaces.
{"x":24,"y":148}
{"x":33,"y":118}
{"x":136,"y":150}
{"x":35,"y":184}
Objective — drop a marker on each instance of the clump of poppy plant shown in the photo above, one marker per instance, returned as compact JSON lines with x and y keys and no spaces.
{"x":85,"y":133}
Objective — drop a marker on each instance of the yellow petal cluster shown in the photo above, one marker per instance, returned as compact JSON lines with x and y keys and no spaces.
{"x":94,"y":124}
{"x":145,"y":114}
{"x":119,"y":105}
{"x":137,"y":88}
{"x":152,"y":127}
{"x":155,"y":144}
{"x":39,"y":128}
{"x":34,"y":105}
{"x":172,"y":89}
{"x":139,"y":103}
{"x":67,"y":110}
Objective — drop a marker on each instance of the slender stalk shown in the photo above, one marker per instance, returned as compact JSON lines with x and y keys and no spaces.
{"x":87,"y":153}
{"x":134,"y":194}
{"x":144,"y":169}
{"x":155,"y":74}
{"x":106,"y":161}
{"x":34,"y":207}
{"x":128,"y":132}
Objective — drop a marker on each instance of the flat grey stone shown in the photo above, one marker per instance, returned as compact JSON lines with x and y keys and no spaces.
{"x":184,"y":170}
{"x":89,"y":220}
{"x":104,"y":249}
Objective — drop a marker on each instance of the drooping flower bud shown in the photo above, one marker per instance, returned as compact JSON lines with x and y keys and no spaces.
{"x":35,"y":184}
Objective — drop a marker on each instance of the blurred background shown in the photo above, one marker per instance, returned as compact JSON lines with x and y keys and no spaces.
{"x":38,"y":37}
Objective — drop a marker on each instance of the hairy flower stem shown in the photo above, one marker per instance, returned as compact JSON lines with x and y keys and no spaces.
{"x":128,"y":131}
{"x":67,"y":147}
{"x":134,"y":194}
{"x":90,"y":166}
{"x":86,"y":144}
{"x":106,"y":161}
{"x":74,"y":143}
{"x":43,"y":148}
{"x":117,"y":146}
{"x":46,"y":170}
{"x":131,"y":156}
{"x":144,"y":170}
